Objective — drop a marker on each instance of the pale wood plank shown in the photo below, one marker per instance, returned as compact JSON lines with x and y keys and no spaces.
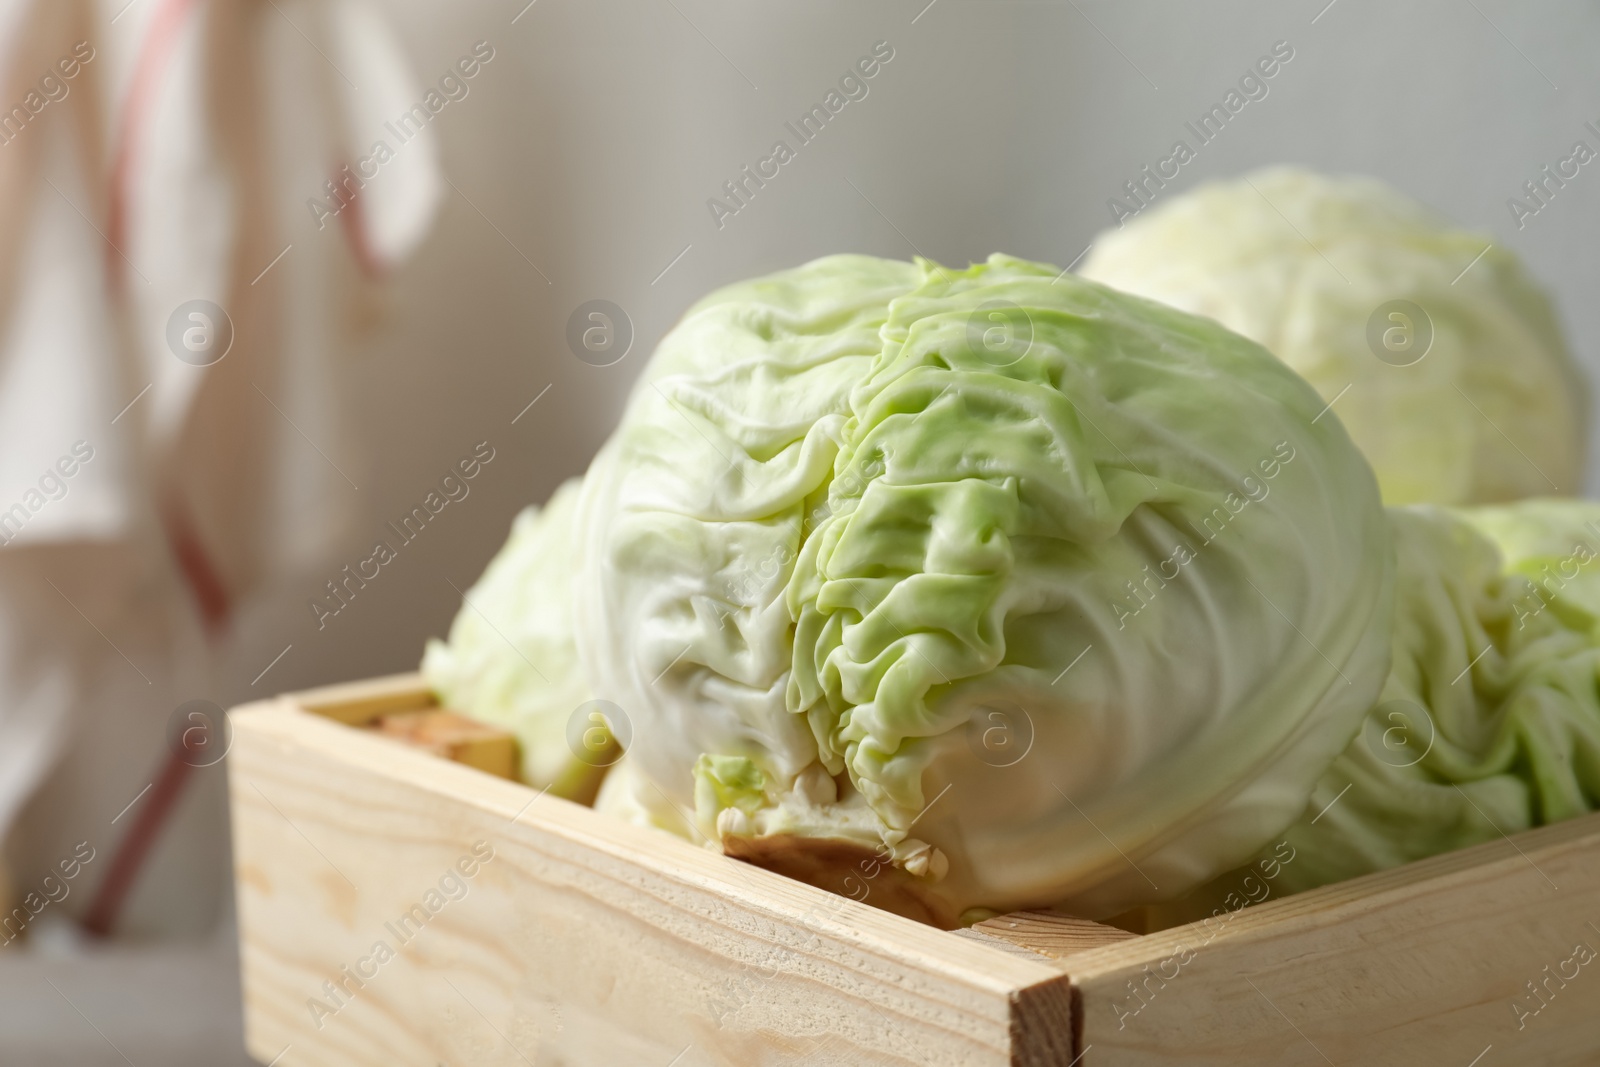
{"x":359,"y":703}
{"x":452,"y":736}
{"x":584,"y":941}
{"x":1418,"y":965}
{"x":1051,"y":934}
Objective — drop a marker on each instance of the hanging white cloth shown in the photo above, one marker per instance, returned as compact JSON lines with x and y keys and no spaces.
{"x":178,"y":281}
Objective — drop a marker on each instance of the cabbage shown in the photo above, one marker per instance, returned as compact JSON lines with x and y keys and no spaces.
{"x":871,"y":533}
{"x":1555,"y":545}
{"x":511,"y":660}
{"x":1473,"y":398}
{"x":624,"y":796}
{"x":1489,"y":722}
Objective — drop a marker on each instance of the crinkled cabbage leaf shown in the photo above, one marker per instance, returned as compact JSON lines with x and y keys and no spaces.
{"x":511,"y":658}
{"x":996,"y":586}
{"x":1489,"y":722}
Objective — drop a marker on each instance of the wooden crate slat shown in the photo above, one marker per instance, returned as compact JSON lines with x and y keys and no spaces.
{"x":588,"y":941}
{"x":358,"y":703}
{"x":1420,"y":964}
{"x":1050,"y":934}
{"x":338,"y":832}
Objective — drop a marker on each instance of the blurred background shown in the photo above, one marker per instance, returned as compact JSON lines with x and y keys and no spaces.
{"x":267,"y":357}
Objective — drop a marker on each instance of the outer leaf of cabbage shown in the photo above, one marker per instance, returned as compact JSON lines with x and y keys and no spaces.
{"x":510,"y":660}
{"x":1489,"y":722}
{"x":835,"y":530}
{"x":1301,"y":262}
{"x":1555,"y":544}
{"x":624,"y":796}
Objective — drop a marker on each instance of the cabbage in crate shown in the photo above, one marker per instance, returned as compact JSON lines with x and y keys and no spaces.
{"x":1443,"y":357}
{"x":511,"y":661}
{"x":1489,"y":722}
{"x":981,"y":589}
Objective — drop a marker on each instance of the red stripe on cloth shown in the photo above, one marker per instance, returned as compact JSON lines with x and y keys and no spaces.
{"x":154,"y":52}
{"x":199,"y":571}
{"x":194,"y":562}
{"x":353,"y":221}
{"x":135,"y":848}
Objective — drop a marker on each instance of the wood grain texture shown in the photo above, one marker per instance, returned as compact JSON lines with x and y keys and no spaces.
{"x":582,"y":941}
{"x":359,"y":703}
{"x":1417,"y":965}
{"x":455,"y":737}
{"x":1050,"y":933}
{"x":1044,"y":1029}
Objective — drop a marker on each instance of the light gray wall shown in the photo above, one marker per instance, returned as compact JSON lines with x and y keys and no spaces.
{"x":601,"y":128}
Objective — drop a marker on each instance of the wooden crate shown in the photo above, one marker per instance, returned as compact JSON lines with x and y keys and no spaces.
{"x":396,"y":908}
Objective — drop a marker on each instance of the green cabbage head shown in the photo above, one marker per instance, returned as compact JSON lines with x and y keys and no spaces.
{"x":511,"y":659}
{"x":977,"y":589}
{"x":1441,"y":356}
{"x":1489,"y":722}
